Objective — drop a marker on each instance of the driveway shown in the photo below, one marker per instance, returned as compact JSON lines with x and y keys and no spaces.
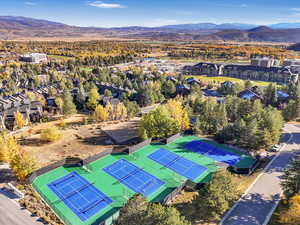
{"x":10,"y":210}
{"x":257,"y":205}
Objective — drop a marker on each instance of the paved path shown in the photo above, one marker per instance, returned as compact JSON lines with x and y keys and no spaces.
{"x":12,"y":214}
{"x":257,"y":205}
{"x":10,"y":211}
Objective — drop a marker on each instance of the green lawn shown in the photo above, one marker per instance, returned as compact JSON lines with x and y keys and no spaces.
{"x":60,"y":57}
{"x":221,"y":79}
{"x":86,"y":69}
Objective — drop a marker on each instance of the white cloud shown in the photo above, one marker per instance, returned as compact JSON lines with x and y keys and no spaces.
{"x":295,"y":13}
{"x":233,"y":5}
{"x":29,"y":3}
{"x":103,"y":5}
{"x":296,"y":9}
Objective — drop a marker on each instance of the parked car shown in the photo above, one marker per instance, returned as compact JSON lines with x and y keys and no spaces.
{"x":275,"y":148}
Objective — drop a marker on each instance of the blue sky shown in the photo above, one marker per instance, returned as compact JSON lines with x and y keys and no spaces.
{"x":112,"y":13}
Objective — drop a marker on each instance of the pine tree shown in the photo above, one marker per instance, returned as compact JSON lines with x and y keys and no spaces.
{"x":217,"y":196}
{"x":291,"y":179}
{"x":133,"y":212}
{"x":270,"y":95}
{"x":69,"y":107}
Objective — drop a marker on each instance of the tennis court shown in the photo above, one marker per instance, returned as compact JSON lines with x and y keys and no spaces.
{"x":93,"y":196}
{"x":135,"y":178}
{"x":82,"y":197}
{"x":177,"y":163}
{"x":213,"y":152}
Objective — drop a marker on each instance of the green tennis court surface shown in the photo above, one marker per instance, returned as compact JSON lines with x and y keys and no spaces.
{"x":113,"y":189}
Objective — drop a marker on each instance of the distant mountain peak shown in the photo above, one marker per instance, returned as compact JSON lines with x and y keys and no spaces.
{"x":261,"y":29}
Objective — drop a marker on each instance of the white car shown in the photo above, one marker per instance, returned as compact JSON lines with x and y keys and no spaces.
{"x":275,"y":148}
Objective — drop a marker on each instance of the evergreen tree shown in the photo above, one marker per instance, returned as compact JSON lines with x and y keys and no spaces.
{"x":145,"y":96}
{"x":158,"y":215}
{"x":168,"y":89}
{"x":69,"y":107}
{"x":292,"y":111}
{"x":133,"y":212}
{"x":217,"y":196}
{"x":291,"y":179}
{"x":270,"y":95}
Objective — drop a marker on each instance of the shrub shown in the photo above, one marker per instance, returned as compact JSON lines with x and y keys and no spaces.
{"x":51,"y":134}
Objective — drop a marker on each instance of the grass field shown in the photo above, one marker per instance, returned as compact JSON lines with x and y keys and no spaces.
{"x":60,"y":57}
{"x":118,"y":192}
{"x":220,"y":79}
{"x":86,"y":69}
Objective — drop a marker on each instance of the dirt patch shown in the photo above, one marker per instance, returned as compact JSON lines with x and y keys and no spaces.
{"x":83,"y":141}
{"x":77,"y":140}
{"x":122,"y":132}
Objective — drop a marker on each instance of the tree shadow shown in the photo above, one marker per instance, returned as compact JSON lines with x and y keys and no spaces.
{"x":6,"y":176}
{"x":35,"y":142}
{"x":252,"y":209}
{"x":98,"y":139}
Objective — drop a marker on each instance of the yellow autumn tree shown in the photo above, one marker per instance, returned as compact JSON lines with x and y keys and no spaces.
{"x":120,"y":112}
{"x":60,"y":103}
{"x":101,"y":113}
{"x":109,"y":109}
{"x":22,"y":165}
{"x":20,"y":121}
{"x":8,"y":147}
{"x":292,"y":215}
{"x":179,"y":113}
{"x":51,"y":134}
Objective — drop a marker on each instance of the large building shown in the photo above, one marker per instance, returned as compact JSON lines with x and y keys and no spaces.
{"x":291,"y":62}
{"x":33,"y":58}
{"x":264,"y":62}
{"x":262,"y":69}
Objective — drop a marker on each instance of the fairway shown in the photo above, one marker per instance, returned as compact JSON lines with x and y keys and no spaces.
{"x":222,"y":79}
{"x":86,"y":197}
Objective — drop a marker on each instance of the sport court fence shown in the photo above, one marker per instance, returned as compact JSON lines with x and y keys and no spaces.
{"x":173,"y":194}
{"x":60,"y":163}
{"x":171,"y":139}
{"x":136,"y":147}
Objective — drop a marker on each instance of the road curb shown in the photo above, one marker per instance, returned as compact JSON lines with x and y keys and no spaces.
{"x":254,"y":182}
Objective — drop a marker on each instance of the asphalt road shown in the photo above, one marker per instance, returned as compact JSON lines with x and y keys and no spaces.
{"x":10,"y":211}
{"x":257,"y":205}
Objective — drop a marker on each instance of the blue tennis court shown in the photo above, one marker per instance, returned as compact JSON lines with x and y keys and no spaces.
{"x":213,"y":152}
{"x":177,"y":163}
{"x":133,"y":177}
{"x":82,"y":197}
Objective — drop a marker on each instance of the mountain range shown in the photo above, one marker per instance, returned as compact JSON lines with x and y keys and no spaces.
{"x":22,"y":28}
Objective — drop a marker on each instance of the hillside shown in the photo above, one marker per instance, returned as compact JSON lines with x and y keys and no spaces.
{"x":22,"y":28}
{"x":259,"y":34}
{"x":295,"y":47}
